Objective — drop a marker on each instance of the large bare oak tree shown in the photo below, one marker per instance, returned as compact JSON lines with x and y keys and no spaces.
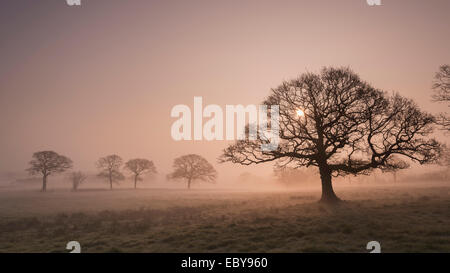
{"x":47,"y":163}
{"x":193,"y":167}
{"x":342,"y":125}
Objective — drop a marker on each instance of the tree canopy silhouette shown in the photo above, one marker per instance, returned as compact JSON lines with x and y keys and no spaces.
{"x":138,"y":167}
{"x":342,"y":125}
{"x":110,"y":169}
{"x":47,"y":163}
{"x":193,"y":167}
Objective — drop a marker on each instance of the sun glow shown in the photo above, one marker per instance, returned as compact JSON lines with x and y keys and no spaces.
{"x":300,"y":113}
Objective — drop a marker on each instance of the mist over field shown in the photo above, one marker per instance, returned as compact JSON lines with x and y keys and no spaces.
{"x":103,"y":140}
{"x":402,"y":217}
{"x":257,"y":214}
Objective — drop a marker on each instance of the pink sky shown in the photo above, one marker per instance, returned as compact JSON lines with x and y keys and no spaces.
{"x":102,"y":78}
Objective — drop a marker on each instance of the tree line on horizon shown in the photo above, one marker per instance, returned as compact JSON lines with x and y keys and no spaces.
{"x":190,"y":167}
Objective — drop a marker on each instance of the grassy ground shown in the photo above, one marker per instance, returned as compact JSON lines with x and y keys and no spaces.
{"x":413,"y":219}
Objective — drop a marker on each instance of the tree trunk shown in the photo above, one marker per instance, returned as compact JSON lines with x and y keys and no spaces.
{"x":135,"y":181}
{"x":328,"y":195}
{"x":189,"y":184}
{"x":110,"y":181}
{"x":395,"y":177}
{"x":44,"y":183}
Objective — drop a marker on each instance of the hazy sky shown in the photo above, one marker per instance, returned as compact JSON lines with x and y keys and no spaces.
{"x":102,"y":78}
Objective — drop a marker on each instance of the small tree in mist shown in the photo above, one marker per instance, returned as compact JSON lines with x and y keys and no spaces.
{"x":290,"y":176}
{"x":394,"y":165}
{"x":193,"y":167}
{"x":47,"y":163}
{"x":110,"y":169}
{"x":77,"y":178}
{"x":441,"y":87}
{"x":245,"y":177}
{"x":340,"y":124}
{"x":138,"y":167}
{"x":444,"y":161}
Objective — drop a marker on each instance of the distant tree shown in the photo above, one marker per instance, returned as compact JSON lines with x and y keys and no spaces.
{"x":245,"y":177}
{"x":341,"y":125}
{"x":193,"y":167}
{"x":110,"y":169}
{"x":77,"y":178}
{"x":441,"y":87}
{"x":393,"y":165}
{"x":444,"y":160}
{"x":47,"y":163}
{"x":290,"y":176}
{"x":138,"y":167}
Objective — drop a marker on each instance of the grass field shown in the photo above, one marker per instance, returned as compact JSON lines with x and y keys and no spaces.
{"x":402,"y":219}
